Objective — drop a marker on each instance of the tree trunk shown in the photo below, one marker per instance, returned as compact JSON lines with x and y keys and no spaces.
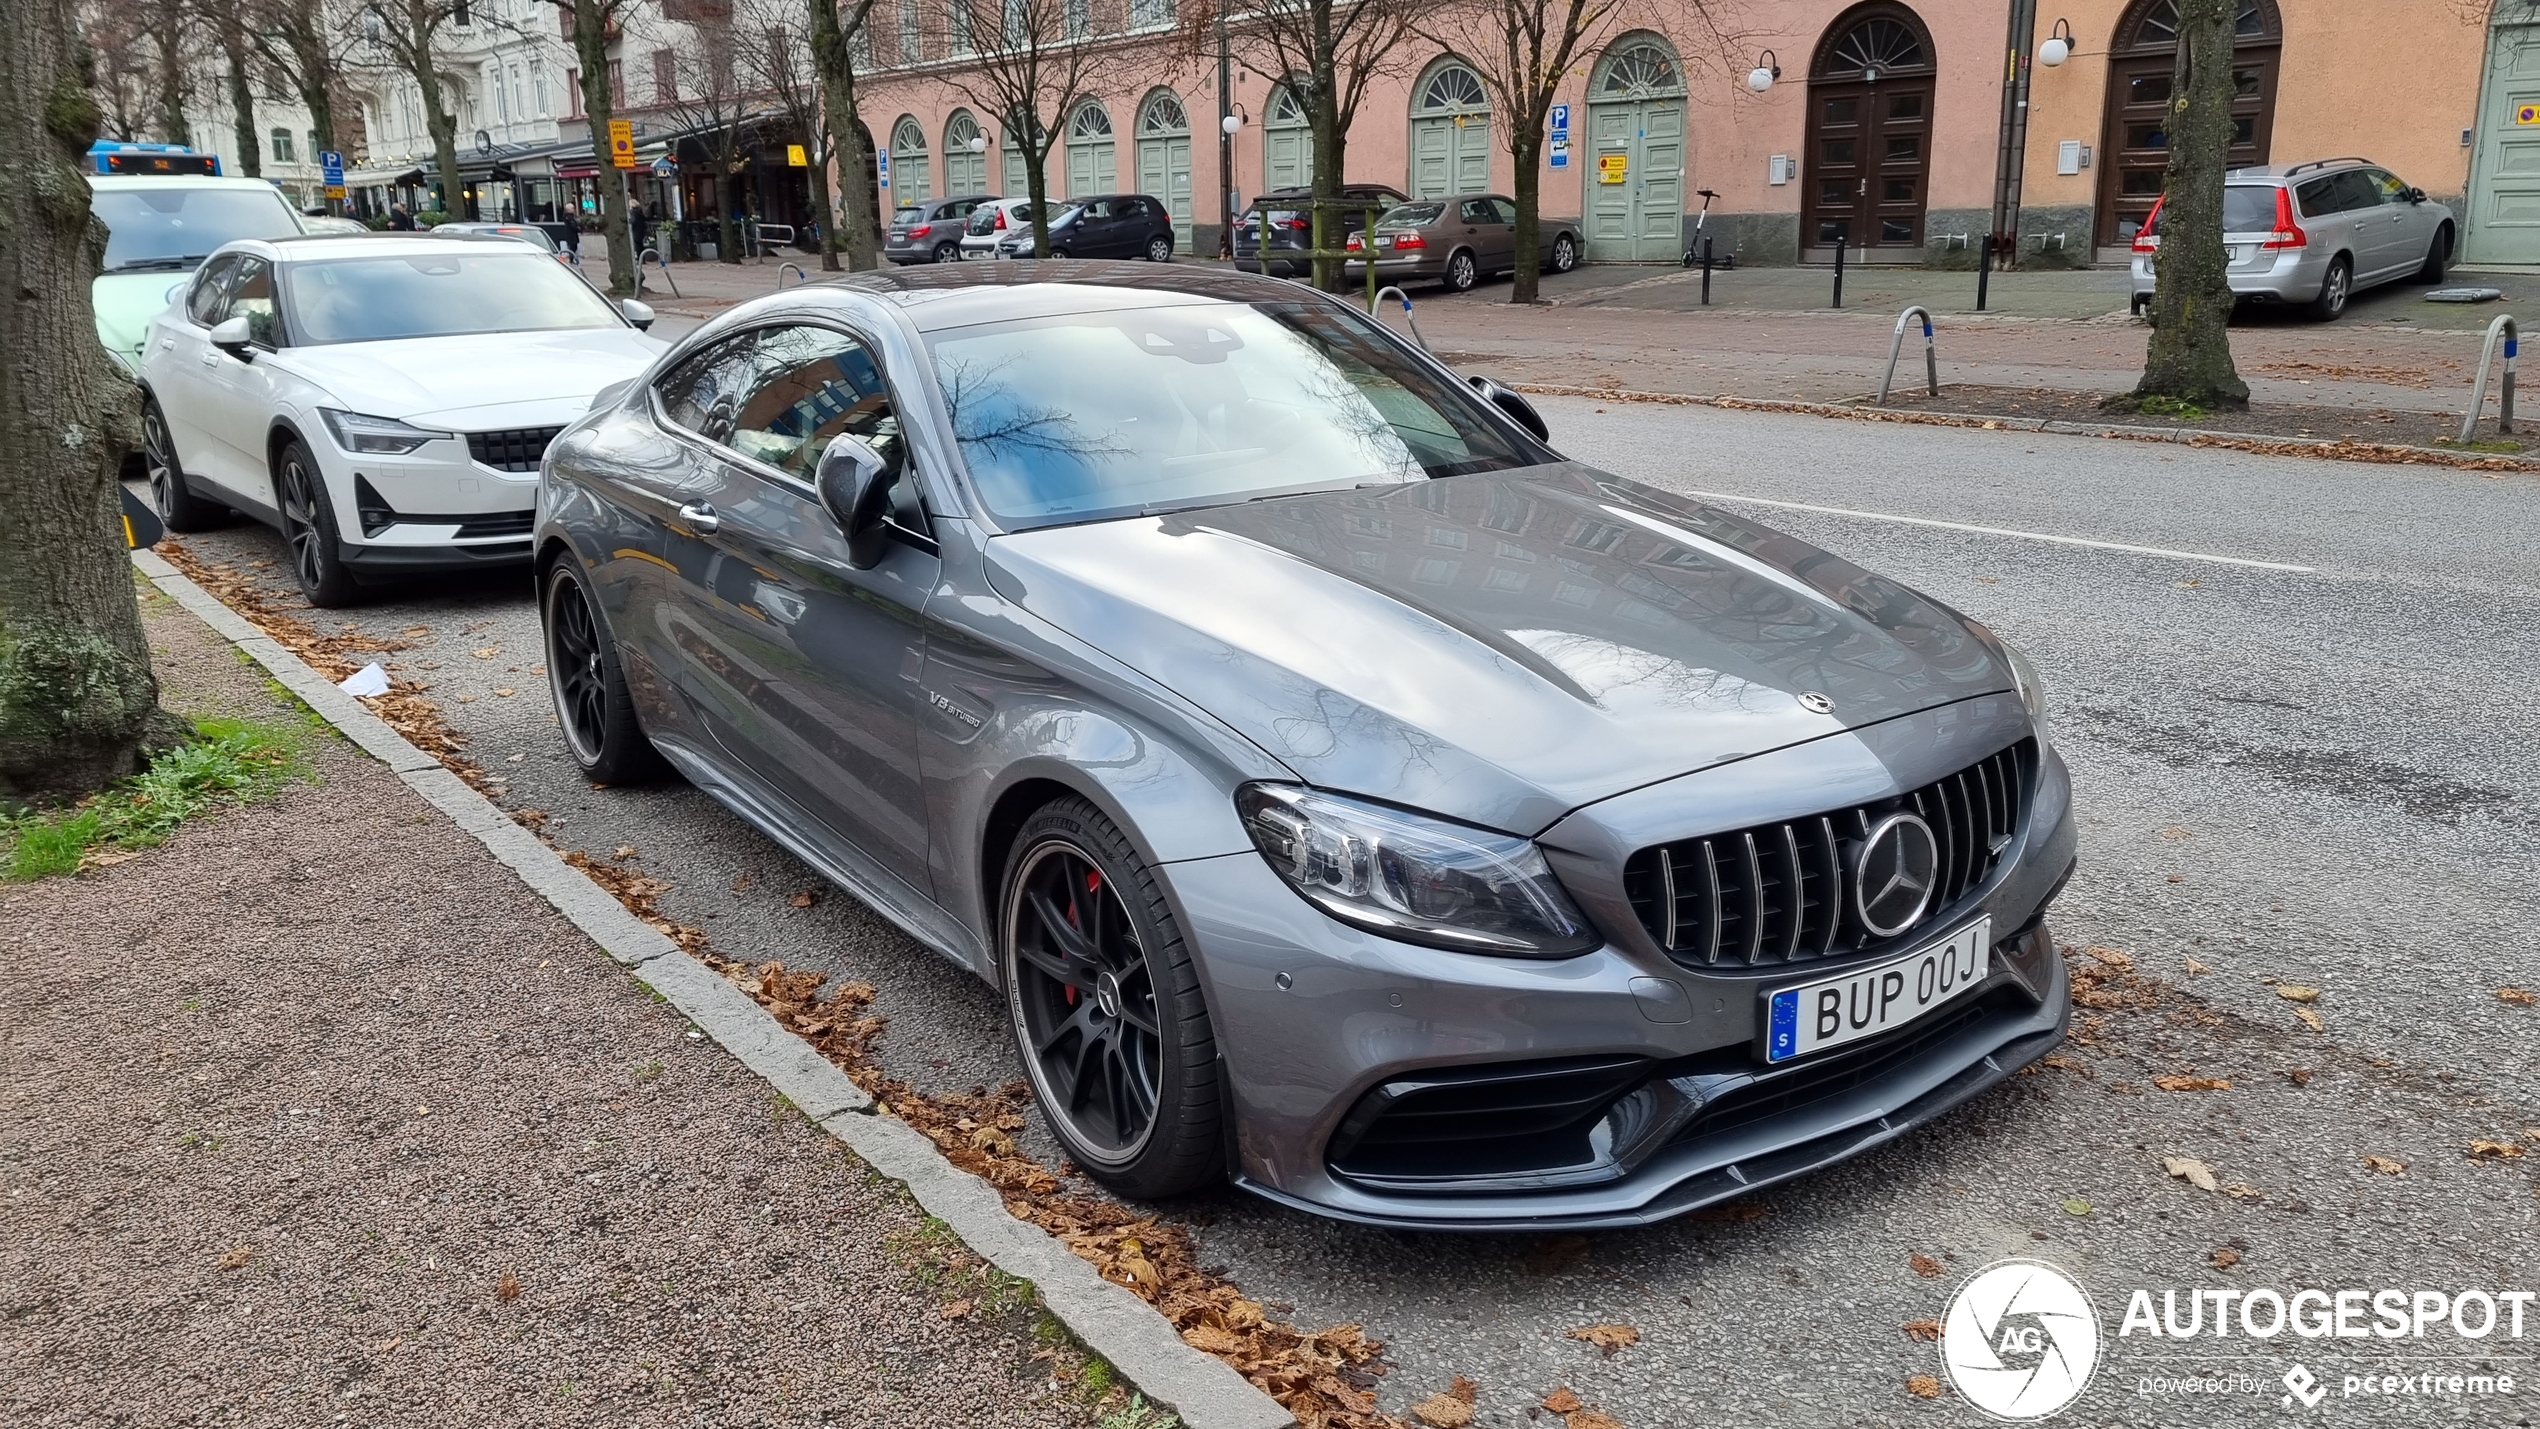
{"x":2189,"y":360}
{"x":1330,"y":129}
{"x":78,"y":704}
{"x":242,"y":108}
{"x":833,"y":60}
{"x":818,"y":173}
{"x":1036,"y":183}
{"x":591,"y":50}
{"x":168,"y":35}
{"x":728,"y":235}
{"x":1526,"y":148}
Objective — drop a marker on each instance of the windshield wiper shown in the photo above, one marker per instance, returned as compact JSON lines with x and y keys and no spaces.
{"x":158,"y":265}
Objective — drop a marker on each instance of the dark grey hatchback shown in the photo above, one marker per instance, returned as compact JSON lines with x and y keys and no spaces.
{"x":1345,"y":793}
{"x":929,"y":231}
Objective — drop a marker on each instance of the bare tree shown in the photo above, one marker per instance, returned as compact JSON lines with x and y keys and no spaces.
{"x":229,"y":33}
{"x":170,"y":25}
{"x":781,"y":69}
{"x":1329,"y":52}
{"x":300,"y":41}
{"x":2189,"y":359}
{"x":707,"y":101}
{"x":1029,"y":60}
{"x":78,"y":703}
{"x":408,"y":36}
{"x":590,"y":24}
{"x":833,"y":31}
{"x":124,"y":61}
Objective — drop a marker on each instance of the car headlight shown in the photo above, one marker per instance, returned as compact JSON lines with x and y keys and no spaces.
{"x":1415,"y":878}
{"x":2031,"y":686}
{"x":376,"y":436}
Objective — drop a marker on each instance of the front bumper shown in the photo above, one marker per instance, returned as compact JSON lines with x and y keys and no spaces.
{"x":1320,"y":1023}
{"x":433,"y":509}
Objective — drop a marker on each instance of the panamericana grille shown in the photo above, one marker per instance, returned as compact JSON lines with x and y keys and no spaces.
{"x":1782,"y":892}
{"x":515,"y":450}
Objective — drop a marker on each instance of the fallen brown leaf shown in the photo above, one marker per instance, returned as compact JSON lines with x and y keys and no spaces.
{"x":2299,"y":1076}
{"x":1609,"y":1338}
{"x":236,"y":1257}
{"x":2310,"y":1019}
{"x":2225,"y":1258}
{"x":488,"y":653}
{"x":2243,"y":1191}
{"x":2196,"y":969}
{"x":956,"y":1309}
{"x":804,"y":899}
{"x":1923,"y":1329}
{"x":2194,"y":1172}
{"x":1589,"y":1419}
{"x":2387,"y":1166}
{"x":507,"y":1286}
{"x":1923,"y":1386}
{"x":505,"y":691}
{"x":2485,"y":1150}
{"x":2179,"y":1083}
{"x":1562,"y":1401}
{"x":623,"y":852}
{"x":1452,"y":1409}
{"x":1924,"y":1265}
{"x":2295,"y":992}
{"x":2518,"y":996}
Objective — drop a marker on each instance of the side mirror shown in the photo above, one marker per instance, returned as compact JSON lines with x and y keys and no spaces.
{"x":855,"y":488}
{"x":1516,"y":406}
{"x":640,"y":314}
{"x":2414,"y":194}
{"x":230,"y":335}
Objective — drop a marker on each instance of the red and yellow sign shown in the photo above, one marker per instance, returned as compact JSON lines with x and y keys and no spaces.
{"x":622,"y":143}
{"x":2527,"y":114}
{"x":1610,"y":167}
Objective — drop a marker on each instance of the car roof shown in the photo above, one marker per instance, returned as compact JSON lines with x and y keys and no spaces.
{"x":945,"y":295}
{"x":181,"y":181}
{"x":307,"y":246}
{"x":2305,"y":169}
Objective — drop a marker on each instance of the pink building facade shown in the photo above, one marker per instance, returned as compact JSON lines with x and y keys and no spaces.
{"x":1886,"y":128}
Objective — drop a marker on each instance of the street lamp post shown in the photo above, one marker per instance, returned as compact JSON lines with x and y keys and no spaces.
{"x":1227,"y":124}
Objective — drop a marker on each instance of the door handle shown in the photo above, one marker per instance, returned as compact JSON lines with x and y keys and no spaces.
{"x":701,"y":516}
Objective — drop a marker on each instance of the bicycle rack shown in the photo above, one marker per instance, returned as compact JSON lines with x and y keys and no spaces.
{"x":1931,"y":357}
{"x":2502,"y":327}
{"x":1405,"y":299}
{"x":664,"y":264}
{"x":800,"y":277}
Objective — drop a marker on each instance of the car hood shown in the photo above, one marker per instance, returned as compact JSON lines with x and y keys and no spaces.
{"x":441,"y":378}
{"x":1500,"y":647}
{"x":126,"y":302}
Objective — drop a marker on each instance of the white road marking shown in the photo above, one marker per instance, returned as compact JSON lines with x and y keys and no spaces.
{"x":2006,"y":531}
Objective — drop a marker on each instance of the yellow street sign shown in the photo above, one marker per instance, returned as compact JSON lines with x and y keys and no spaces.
{"x":795,"y":156}
{"x":1610,"y":167}
{"x":622,"y":143}
{"x":334,"y":191}
{"x":2527,"y":114}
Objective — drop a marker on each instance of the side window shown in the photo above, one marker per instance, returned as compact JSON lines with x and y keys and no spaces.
{"x":2386,"y":186}
{"x":251,"y":297}
{"x":808,"y":385}
{"x":703,"y":393}
{"x":1097,"y":211}
{"x":1479,"y":210}
{"x":211,"y":290}
{"x":2318,"y":196}
{"x":1507,"y":209}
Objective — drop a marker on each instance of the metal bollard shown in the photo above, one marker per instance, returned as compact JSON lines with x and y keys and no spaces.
{"x":1706,"y":272}
{"x":656,"y":255}
{"x":2502,"y":327}
{"x":1931,"y":356}
{"x":1839,"y":245}
{"x":800,"y":277}
{"x":1984,"y":271}
{"x":1406,"y":313}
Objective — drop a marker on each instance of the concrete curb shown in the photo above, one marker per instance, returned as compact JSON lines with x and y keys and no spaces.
{"x":2371,"y":453}
{"x":1203,"y":1390}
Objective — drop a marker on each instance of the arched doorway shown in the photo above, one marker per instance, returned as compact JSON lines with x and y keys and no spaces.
{"x":1636,"y":170}
{"x":1018,"y":183}
{"x":1450,"y":132}
{"x":1287,"y":144}
{"x":1091,"y":165}
{"x":1164,"y":159}
{"x":2134,"y":147}
{"x":909,"y":176}
{"x":1870,"y":90}
{"x":965,"y":168}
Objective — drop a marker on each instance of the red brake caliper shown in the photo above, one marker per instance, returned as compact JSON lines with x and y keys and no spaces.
{"x":1093,"y":883}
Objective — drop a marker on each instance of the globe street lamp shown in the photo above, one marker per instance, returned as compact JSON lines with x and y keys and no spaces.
{"x":1767,"y":69}
{"x":2058,"y":47}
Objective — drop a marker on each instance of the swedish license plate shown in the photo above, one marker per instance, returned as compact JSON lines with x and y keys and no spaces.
{"x":1848,"y":1006}
{"x":1382,"y":241}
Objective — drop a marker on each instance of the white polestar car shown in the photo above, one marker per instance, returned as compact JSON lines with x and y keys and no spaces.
{"x":383,"y":401}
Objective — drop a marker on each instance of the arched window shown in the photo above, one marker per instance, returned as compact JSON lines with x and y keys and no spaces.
{"x":1639,"y":69}
{"x":2157,"y":24}
{"x":911,"y":174}
{"x":1880,"y":43}
{"x":1090,"y":121}
{"x":959,"y":131}
{"x":1452,"y":89}
{"x":1450,"y":132}
{"x":1287,"y":111}
{"x":1092,"y":165}
{"x":965,"y":169}
{"x":1163,"y":114}
{"x":907,"y":137}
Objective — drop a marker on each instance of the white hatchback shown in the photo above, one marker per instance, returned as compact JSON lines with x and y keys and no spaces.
{"x":991,"y":223}
{"x":383,"y":401}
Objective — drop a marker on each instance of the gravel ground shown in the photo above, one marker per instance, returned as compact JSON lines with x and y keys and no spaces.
{"x":316,"y":1116}
{"x":2317,"y":778}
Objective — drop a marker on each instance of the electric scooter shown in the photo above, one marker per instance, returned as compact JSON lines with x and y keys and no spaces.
{"x":1693,"y":254}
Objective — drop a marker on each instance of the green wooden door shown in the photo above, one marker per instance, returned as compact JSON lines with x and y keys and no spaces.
{"x":2504,"y":192}
{"x":1450,"y":154}
{"x":964,"y":172}
{"x":1287,"y":145}
{"x":1164,"y":171}
{"x":1633,"y":169}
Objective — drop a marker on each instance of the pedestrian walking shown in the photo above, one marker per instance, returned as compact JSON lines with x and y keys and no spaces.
{"x":400,"y":220}
{"x":642,"y":224}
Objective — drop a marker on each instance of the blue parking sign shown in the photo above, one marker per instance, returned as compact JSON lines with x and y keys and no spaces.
{"x":1557,"y":146}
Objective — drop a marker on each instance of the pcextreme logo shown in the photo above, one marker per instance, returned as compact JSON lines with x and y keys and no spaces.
{"x":2020,"y":1340}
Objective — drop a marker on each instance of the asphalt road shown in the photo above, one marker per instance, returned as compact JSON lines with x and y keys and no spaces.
{"x":2317,"y":776}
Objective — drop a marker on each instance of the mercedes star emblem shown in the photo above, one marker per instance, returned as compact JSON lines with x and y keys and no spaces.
{"x":1896,"y":874}
{"x":1815,"y":703}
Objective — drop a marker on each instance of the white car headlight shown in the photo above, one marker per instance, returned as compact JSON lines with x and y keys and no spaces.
{"x":1415,"y":878}
{"x":376,"y":436}
{"x":2031,"y":685}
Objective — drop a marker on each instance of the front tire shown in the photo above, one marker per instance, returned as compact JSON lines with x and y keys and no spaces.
{"x":179,"y":510}
{"x":1105,"y":1006}
{"x":308,"y":525}
{"x":1462,"y":272}
{"x":1565,"y":254}
{"x":2335,"y":289}
{"x":588,"y":682}
{"x":1159,"y":249}
{"x":2438,"y":258}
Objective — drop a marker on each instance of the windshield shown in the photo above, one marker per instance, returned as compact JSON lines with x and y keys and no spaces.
{"x":536,"y":237}
{"x":1412,"y":215}
{"x":1093,"y":416}
{"x":471,"y":290}
{"x":173,"y":228}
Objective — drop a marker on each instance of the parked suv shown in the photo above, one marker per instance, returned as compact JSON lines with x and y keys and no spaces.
{"x":929,"y":231}
{"x":2316,"y":233}
{"x":1291,"y":216}
{"x":1103,"y":226}
{"x":1458,"y":241}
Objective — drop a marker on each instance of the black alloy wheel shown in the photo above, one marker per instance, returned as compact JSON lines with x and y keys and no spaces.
{"x":1160,"y":249}
{"x":948,"y":252}
{"x":179,"y":509}
{"x":589,"y":685}
{"x":1106,"y":1006}
{"x":1462,"y":272}
{"x":308,"y":525}
{"x":1565,"y":254}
